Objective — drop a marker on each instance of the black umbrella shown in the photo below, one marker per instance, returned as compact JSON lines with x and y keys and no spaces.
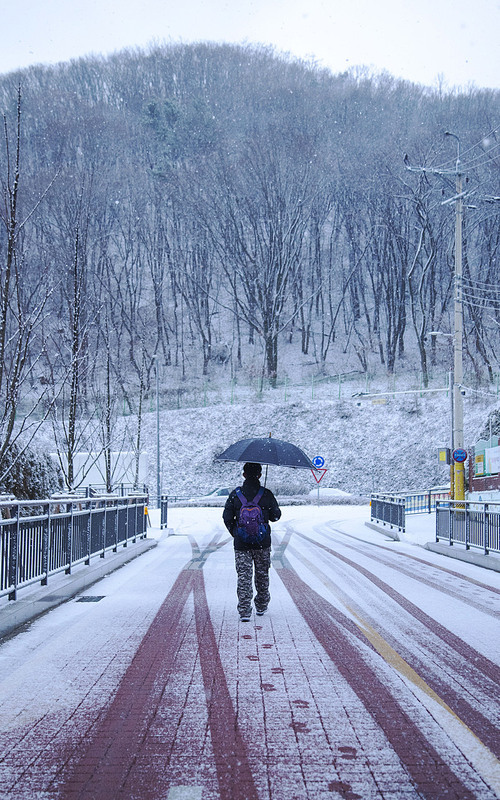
{"x":267,"y":451}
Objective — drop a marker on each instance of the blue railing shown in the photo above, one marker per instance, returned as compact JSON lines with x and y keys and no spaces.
{"x":424,"y":502}
{"x":40,"y":538}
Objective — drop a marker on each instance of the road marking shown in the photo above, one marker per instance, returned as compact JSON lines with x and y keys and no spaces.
{"x":185,"y":793}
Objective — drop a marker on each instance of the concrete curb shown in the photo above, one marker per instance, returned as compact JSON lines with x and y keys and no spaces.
{"x":34,"y":602}
{"x":393,"y":533}
{"x":451,"y":551}
{"x":455,"y":551}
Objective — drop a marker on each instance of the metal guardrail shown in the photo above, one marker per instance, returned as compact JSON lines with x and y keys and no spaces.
{"x":391,"y":509}
{"x":424,"y":502}
{"x":388,"y":509}
{"x":471,"y":523}
{"x":40,"y":538}
{"x":121,"y":489}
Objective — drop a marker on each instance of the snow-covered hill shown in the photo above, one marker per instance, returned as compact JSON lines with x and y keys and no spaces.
{"x":389,"y":444}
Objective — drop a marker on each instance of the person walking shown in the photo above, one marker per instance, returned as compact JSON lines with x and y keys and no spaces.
{"x":247,"y":513}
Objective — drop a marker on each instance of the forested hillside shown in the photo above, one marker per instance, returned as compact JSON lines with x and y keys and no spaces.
{"x":228,"y":214}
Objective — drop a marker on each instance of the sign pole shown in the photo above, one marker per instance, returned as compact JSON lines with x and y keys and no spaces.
{"x":318,"y":462}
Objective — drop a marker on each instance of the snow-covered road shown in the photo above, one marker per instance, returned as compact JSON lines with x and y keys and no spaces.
{"x":374,"y":674}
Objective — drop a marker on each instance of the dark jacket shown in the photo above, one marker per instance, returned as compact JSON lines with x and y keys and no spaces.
{"x":270,"y":509}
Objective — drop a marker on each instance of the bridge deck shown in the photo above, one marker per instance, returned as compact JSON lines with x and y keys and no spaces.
{"x":374,"y":674}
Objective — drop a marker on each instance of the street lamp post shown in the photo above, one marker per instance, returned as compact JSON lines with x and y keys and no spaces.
{"x":458,"y":409}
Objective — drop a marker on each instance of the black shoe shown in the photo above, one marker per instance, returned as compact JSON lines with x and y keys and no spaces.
{"x":245,"y":617}
{"x":261,"y":612}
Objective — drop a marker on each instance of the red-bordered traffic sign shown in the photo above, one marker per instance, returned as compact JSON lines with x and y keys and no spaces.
{"x":460,"y":455}
{"x":315,"y":471}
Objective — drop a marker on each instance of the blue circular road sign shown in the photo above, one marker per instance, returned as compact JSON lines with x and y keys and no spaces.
{"x":318,"y":461}
{"x":459,"y":455}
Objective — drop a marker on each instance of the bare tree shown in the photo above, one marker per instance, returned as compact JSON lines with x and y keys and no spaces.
{"x":24,"y":292}
{"x":259,"y":219}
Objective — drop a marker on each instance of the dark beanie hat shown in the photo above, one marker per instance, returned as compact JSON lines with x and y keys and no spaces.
{"x":251,"y":470}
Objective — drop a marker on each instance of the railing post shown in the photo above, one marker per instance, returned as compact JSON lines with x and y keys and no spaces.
{"x":69,"y":540}
{"x":104,"y":529}
{"x":486,"y":529}
{"x":14,"y":556}
{"x":89,"y":531}
{"x":117,"y":523}
{"x":136,"y":520}
{"x":467,"y":526}
{"x":45,"y":548}
{"x":125,"y":543}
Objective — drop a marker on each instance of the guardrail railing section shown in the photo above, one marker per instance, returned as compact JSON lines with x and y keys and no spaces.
{"x":42,"y":538}
{"x":424,"y":502}
{"x":470,"y":523}
{"x":389,"y":509}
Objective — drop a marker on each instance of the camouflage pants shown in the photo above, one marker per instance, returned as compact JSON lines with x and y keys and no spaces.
{"x":246,"y":562}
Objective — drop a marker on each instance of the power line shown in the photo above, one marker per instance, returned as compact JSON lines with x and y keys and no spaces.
{"x":486,"y":159}
{"x":470,"y":295}
{"x":452,"y":161}
{"x":480,"y":301}
{"x":484,"y":154}
{"x":480,"y":284}
{"x":477,"y":293}
{"x":482,"y":305}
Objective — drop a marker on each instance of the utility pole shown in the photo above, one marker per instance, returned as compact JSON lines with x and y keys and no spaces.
{"x":452,"y":417}
{"x":458,"y":408}
{"x":158,"y":469}
{"x":457,"y":481}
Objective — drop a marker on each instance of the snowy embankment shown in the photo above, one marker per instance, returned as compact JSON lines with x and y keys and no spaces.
{"x":366,"y":446}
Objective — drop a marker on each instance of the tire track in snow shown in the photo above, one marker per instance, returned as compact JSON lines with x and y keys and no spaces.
{"x":426,"y":581}
{"x":430,"y":564}
{"x":417,"y":669}
{"x":479,"y":662}
{"x":430,"y":773}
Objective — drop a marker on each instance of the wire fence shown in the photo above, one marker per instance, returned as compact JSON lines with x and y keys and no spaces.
{"x":342,"y":386}
{"x":177,"y":394}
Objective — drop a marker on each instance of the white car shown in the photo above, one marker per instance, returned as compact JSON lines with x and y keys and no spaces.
{"x":212,"y":495}
{"x":326,"y":492}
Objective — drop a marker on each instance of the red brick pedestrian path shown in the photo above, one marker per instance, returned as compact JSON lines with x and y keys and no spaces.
{"x":345,"y":689}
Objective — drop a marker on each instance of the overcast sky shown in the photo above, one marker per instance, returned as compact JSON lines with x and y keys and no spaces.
{"x":420,"y":40}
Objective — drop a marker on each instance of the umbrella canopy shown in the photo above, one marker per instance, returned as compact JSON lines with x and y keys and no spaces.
{"x":267,"y":451}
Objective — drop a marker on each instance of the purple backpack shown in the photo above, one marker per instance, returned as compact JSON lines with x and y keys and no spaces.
{"x":251,"y":526}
